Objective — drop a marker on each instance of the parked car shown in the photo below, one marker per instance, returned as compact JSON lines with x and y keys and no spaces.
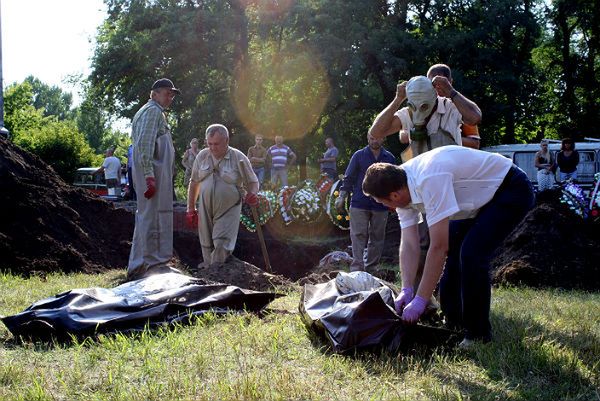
{"x":523,"y":155}
{"x":84,"y":178}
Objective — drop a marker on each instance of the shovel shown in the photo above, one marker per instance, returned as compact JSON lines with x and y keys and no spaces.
{"x":261,"y":237}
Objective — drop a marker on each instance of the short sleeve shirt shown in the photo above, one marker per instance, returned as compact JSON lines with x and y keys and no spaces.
{"x":451,"y":182}
{"x":257,"y":151}
{"x":111,"y":168}
{"x":331,"y":152}
{"x":279,"y":156}
{"x":228,"y":168}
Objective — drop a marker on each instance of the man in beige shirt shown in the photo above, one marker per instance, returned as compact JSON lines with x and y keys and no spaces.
{"x":257,"y":155}
{"x":218,"y":182}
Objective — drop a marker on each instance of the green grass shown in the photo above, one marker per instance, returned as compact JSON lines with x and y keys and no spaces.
{"x":547,"y":347}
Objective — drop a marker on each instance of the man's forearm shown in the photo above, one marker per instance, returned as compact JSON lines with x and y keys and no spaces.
{"x":434,"y":264}
{"x":436,"y":257}
{"x":470,"y":142}
{"x":192,"y":196}
{"x":384,"y":122}
{"x":409,"y":255}
{"x":471,"y":113}
{"x":253,"y":187}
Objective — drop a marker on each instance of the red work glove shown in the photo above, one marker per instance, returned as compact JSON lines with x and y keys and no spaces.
{"x":251,"y":199}
{"x":150,"y":187}
{"x":191,"y":219}
{"x":414,"y":310}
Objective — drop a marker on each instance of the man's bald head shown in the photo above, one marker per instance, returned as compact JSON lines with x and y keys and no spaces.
{"x":439,"y":70}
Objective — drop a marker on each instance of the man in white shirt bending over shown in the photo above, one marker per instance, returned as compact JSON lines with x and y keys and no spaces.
{"x":112,"y":172}
{"x":473,"y":200}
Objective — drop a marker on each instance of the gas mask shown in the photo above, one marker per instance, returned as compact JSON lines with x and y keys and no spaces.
{"x":421,"y":102}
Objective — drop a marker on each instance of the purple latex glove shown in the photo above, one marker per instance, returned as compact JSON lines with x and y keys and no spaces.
{"x":406,"y":295}
{"x":414,"y":310}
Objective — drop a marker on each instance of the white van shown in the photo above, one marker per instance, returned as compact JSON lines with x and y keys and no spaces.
{"x":523,"y":155}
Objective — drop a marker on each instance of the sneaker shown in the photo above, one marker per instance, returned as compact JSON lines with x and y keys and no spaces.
{"x":466,"y":344}
{"x":469,"y":343}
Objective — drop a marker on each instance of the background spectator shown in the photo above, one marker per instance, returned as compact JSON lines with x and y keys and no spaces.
{"x":544,"y":162}
{"x":567,"y":160}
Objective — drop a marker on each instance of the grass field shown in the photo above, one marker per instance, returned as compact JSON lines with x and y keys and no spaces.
{"x":547,"y":347}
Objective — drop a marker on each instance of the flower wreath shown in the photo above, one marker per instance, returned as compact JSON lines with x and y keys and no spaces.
{"x":324,"y":185}
{"x":572,"y":195}
{"x":272,"y":197}
{"x":284,"y":201}
{"x":595,"y":199}
{"x":340,"y":220}
{"x":264,"y":210}
{"x":305,"y":205}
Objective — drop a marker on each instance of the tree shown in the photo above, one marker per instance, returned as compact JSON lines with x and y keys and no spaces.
{"x":310,"y":69}
{"x":57,"y":142}
{"x":569,"y":59}
{"x":19,"y":113}
{"x":61,"y":145}
{"x":51,"y":99}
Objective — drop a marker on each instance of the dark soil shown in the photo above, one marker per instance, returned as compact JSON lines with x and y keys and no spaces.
{"x":551,"y":248}
{"x":294,"y":250}
{"x":48,"y":225}
{"x":235,"y":272}
{"x":242,"y":274}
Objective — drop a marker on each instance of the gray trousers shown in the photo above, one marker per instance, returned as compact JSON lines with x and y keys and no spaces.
{"x":280,"y":174}
{"x":152,"y":244}
{"x":367,"y":233}
{"x":219,"y":219}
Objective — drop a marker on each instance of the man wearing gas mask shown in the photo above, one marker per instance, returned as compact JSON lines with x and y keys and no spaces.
{"x":432,"y":118}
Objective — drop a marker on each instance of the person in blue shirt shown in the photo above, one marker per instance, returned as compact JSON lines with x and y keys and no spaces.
{"x":367,"y":217}
{"x":328,"y":164}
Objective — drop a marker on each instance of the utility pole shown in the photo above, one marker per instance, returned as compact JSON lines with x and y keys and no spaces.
{"x":3,"y":131}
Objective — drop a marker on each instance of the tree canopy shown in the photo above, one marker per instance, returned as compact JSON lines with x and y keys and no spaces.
{"x":41,"y":119}
{"x":308,"y":69}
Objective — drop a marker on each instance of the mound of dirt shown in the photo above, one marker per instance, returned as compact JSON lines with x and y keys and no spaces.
{"x":241,"y":274}
{"x":551,"y":247}
{"x":48,"y":225}
{"x":291,"y":257}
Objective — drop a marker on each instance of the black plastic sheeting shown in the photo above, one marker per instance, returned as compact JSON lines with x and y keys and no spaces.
{"x":151,"y":301}
{"x":355,"y":311}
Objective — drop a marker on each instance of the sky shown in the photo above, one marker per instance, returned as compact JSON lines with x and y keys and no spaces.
{"x":49,"y":39}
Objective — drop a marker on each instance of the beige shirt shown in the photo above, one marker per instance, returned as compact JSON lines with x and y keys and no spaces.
{"x":228,"y":168}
